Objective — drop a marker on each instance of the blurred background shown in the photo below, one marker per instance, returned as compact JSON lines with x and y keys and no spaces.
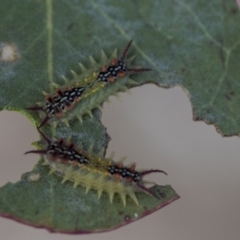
{"x":154,"y":128}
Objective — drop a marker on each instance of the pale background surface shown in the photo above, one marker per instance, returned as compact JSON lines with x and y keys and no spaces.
{"x":153,"y":127}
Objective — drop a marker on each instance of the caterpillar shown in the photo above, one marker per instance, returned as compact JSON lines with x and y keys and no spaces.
{"x":94,"y":171}
{"x":87,"y":88}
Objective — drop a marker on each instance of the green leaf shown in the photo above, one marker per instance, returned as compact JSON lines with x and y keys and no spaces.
{"x":191,"y":43}
{"x":42,"y":201}
{"x":36,"y":50}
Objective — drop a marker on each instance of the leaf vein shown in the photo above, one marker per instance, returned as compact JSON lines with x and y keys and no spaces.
{"x":201,"y":26}
{"x":49,"y":27}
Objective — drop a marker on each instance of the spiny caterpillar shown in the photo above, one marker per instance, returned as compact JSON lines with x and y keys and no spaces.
{"x":87,"y":88}
{"x":93,"y":171}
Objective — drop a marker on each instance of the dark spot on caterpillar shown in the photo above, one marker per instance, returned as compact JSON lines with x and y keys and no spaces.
{"x":120,"y":212}
{"x":127,"y":173}
{"x":116,"y":69}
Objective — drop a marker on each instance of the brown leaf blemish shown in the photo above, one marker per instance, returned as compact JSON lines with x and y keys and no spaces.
{"x":227,"y":97}
{"x":183,"y":70}
{"x":163,"y":195}
{"x":234,"y":11}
